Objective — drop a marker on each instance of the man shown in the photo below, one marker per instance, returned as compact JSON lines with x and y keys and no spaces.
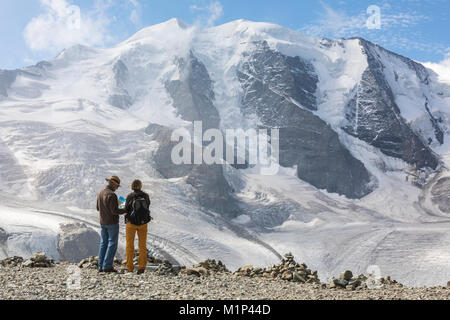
{"x":108,"y":207}
{"x":141,"y":227}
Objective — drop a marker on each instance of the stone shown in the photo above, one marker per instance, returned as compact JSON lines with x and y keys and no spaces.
{"x":354,"y":282}
{"x":298,"y":277}
{"x":192,"y":272}
{"x":201,"y":271}
{"x":340,"y":282}
{"x":28,"y":263}
{"x":246,"y":269}
{"x":346,"y":275}
{"x":349,"y":288}
{"x":286,"y":276}
{"x":39,"y":257}
{"x":289,"y":256}
{"x":77,"y":241}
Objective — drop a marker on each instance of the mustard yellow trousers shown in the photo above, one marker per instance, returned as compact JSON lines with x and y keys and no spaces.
{"x":131,"y":230}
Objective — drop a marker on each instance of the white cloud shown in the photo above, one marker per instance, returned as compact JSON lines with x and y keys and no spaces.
{"x":62,"y":25}
{"x":442,"y":68}
{"x":335,"y":23}
{"x":211,"y":13}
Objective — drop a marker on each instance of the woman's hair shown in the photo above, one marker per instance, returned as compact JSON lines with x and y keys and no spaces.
{"x":136,"y":185}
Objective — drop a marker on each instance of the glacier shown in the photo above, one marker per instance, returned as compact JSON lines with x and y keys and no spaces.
{"x":364,"y":148}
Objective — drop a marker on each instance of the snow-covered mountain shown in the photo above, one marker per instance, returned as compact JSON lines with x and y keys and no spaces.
{"x":364,"y":144}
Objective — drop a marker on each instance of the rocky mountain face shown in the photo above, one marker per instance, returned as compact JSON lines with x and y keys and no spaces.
{"x":280,"y":92}
{"x":6,"y":79}
{"x":374,"y":116}
{"x":273,"y":88}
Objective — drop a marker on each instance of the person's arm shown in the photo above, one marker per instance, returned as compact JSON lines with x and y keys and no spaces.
{"x":147,"y":197}
{"x":98,"y":209}
{"x":129,"y":203}
{"x":113,"y":205}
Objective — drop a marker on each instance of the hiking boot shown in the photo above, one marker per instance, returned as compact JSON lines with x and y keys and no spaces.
{"x":140,"y":271}
{"x":100,"y":271}
{"x":112,"y":270}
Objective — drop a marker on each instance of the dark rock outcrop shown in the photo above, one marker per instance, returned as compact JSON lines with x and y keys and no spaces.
{"x":279,"y":91}
{"x":193,"y":99}
{"x":120,"y":98}
{"x":375,"y":118}
{"x":7,"y":78}
{"x":193,"y":94}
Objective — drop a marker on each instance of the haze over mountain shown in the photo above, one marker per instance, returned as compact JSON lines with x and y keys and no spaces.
{"x":364,"y":144}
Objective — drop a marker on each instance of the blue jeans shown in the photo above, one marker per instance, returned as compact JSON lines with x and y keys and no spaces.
{"x":108,"y":246}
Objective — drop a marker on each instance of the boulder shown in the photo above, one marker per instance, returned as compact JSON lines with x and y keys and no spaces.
{"x":77,"y":241}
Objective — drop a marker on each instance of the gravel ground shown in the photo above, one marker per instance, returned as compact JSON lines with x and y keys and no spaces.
{"x":21,"y":283}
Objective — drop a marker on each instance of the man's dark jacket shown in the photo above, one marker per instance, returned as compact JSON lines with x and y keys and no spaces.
{"x":108,"y":206}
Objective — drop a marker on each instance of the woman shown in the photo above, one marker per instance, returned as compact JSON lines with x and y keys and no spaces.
{"x":131,"y":229}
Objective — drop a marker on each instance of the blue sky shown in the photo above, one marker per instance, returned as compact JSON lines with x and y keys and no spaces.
{"x":34,"y":30}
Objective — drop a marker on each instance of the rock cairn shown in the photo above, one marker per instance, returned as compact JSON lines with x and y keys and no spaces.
{"x":166,"y":268}
{"x":92,"y":262}
{"x":349,"y":282}
{"x":11,"y":262}
{"x":39,"y":260}
{"x":161,"y":267}
{"x":287,"y":270}
{"x":206,"y":268}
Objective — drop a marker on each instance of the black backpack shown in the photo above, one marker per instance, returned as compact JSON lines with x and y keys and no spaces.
{"x":141,"y":212}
